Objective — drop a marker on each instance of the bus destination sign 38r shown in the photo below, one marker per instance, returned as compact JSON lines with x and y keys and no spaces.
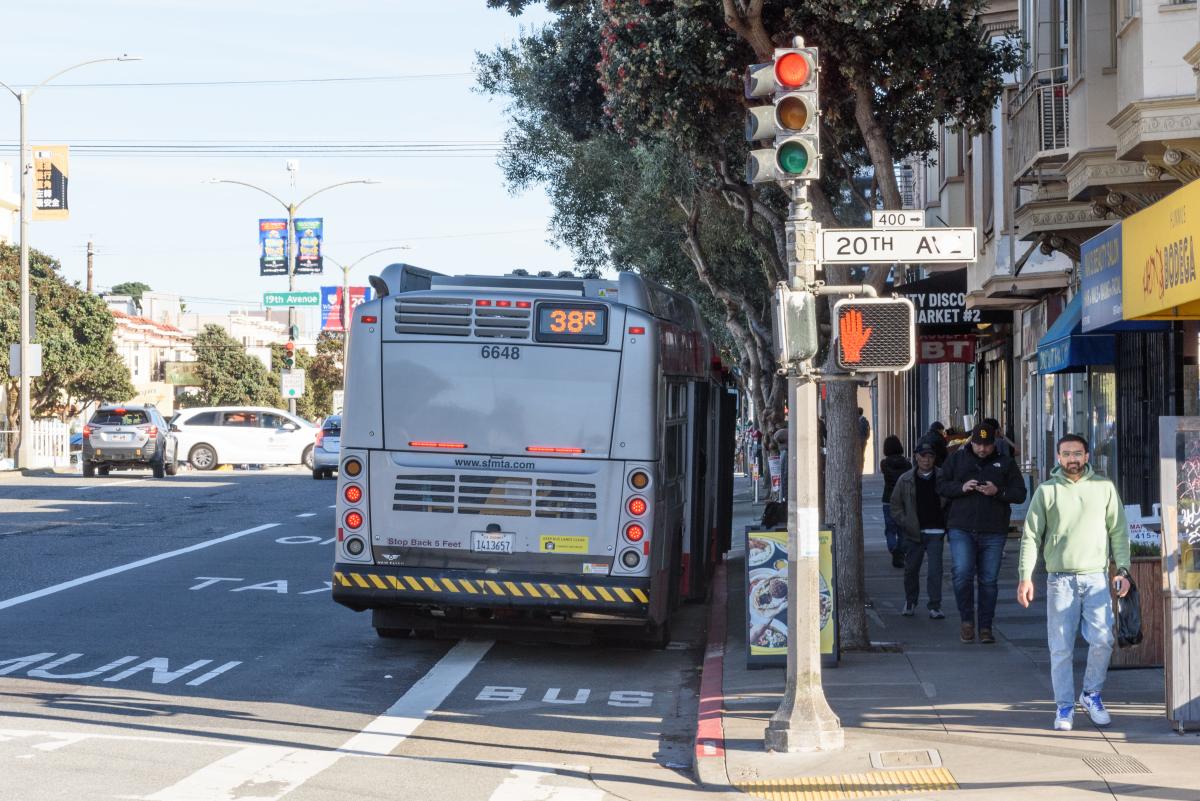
{"x":584,"y":323}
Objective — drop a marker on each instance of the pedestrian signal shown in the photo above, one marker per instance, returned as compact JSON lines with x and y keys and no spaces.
{"x":875,"y":335}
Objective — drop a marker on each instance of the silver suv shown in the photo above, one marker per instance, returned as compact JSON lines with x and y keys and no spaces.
{"x":125,"y":436}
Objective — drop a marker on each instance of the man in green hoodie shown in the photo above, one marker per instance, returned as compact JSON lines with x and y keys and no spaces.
{"x":1077,"y":522}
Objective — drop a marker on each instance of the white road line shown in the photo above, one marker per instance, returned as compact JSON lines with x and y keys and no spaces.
{"x":112,"y":571}
{"x":307,"y":514}
{"x":270,"y":772}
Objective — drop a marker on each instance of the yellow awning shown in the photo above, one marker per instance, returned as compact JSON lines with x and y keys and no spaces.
{"x":1158,"y":252}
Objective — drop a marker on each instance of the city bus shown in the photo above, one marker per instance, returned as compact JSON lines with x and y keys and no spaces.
{"x":530,"y":451}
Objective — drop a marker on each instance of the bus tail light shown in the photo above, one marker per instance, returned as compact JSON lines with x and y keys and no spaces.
{"x":634,"y":532}
{"x":353,"y":493}
{"x":636,"y":506}
{"x":352,"y":467}
{"x":639,"y":479}
{"x":369,"y":318}
{"x":421,"y":443}
{"x":551,"y":449}
{"x":354,"y":520}
{"x":630,"y":559}
{"x":355,"y":546}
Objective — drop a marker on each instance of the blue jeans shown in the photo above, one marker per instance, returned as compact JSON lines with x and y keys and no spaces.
{"x":892,"y":531}
{"x":976,"y":555}
{"x":914,"y":554}
{"x":1073,"y":599}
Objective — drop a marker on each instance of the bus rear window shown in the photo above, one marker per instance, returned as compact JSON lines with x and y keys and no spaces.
{"x":583,"y":323}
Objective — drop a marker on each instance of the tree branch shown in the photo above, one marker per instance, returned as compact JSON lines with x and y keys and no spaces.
{"x":749,"y":26}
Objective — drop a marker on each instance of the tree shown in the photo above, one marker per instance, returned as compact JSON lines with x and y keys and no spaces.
{"x":132,"y":288}
{"x":80,"y":365}
{"x":666,"y":104}
{"x":228,"y":375}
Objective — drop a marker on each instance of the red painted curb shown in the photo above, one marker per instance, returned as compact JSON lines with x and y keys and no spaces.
{"x":710,"y":732}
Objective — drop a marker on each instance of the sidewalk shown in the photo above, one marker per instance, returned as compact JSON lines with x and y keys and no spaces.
{"x":938,"y":714}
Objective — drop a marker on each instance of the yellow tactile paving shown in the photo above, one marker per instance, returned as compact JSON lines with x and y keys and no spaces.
{"x":875,"y":784}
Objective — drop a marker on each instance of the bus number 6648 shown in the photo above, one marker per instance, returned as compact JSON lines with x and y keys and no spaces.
{"x":500,"y":352}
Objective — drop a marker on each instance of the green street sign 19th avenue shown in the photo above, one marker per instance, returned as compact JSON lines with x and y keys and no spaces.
{"x":291,"y":298}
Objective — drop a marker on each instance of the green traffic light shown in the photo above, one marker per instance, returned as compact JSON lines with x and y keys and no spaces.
{"x":792,"y":157}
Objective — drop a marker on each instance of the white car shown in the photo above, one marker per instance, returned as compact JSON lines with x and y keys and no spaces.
{"x":216,"y":435}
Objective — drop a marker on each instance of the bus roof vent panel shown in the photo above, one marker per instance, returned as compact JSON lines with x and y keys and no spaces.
{"x":431,"y":316}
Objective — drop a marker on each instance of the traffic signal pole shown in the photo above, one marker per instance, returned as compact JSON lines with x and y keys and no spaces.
{"x":804,"y":720}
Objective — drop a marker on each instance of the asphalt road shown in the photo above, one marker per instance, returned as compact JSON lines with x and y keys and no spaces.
{"x":174,"y":640}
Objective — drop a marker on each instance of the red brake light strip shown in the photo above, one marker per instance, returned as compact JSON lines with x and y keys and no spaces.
{"x":545,"y":449}
{"x":426,"y":444}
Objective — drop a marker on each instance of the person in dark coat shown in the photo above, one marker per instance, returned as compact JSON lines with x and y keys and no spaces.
{"x":921,"y":513}
{"x":935,"y":437}
{"x":892,"y":467}
{"x":981,"y":486}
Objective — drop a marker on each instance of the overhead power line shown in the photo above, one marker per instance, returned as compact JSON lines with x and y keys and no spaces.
{"x":431,"y":76}
{"x":247,"y":148}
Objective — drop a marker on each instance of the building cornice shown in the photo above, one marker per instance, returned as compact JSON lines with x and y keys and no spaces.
{"x":1148,"y":127}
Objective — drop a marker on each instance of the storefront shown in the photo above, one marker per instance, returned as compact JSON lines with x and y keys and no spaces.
{"x":1078,"y":389}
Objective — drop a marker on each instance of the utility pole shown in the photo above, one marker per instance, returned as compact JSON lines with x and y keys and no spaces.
{"x":25,"y":443}
{"x":91,"y":252}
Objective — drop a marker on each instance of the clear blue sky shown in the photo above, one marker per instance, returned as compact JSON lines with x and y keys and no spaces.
{"x":155,"y":219}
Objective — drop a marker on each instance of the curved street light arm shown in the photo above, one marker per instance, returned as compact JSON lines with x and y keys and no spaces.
{"x":355,"y":263}
{"x":83,"y":64}
{"x":271,"y":195}
{"x":334,"y":186}
{"x":14,"y":92}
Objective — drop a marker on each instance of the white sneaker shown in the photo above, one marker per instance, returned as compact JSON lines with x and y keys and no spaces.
{"x":1064,"y":720}
{"x":1094,"y":707}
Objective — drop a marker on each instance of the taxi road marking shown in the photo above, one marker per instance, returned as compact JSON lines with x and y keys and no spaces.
{"x":274,"y":772}
{"x":112,"y":571}
{"x":307,"y":514}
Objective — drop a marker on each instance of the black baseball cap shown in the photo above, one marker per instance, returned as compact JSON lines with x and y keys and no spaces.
{"x":924,"y":448}
{"x":983,"y":434}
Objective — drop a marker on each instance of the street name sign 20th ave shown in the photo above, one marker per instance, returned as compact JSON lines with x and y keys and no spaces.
{"x":910,"y":245}
{"x":291,"y":298}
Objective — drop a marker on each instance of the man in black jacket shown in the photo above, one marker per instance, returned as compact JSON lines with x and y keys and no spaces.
{"x":980,"y":485}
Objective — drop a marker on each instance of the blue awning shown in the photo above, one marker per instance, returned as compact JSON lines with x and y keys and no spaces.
{"x":1066,"y":349}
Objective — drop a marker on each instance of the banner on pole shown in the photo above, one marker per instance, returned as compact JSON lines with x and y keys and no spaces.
{"x":308,"y":245}
{"x":331,"y":304}
{"x":272,"y":239}
{"x":50,"y":182}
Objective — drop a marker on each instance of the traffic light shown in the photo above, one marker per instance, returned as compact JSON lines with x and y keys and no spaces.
{"x":875,"y":335}
{"x":791,"y":123}
{"x":289,"y":355}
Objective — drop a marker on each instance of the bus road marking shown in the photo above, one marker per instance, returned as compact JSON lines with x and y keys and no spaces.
{"x":112,"y":571}
{"x":274,"y":772}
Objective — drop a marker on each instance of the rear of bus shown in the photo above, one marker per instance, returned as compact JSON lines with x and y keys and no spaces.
{"x":499,"y":456}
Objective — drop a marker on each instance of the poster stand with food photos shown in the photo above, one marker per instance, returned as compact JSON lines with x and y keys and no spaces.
{"x":767,"y":598}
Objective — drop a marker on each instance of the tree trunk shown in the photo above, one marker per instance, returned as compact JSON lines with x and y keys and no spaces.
{"x":843,"y":510}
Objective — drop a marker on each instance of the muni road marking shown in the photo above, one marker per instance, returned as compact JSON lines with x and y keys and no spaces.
{"x":275,"y":771}
{"x":112,"y":571}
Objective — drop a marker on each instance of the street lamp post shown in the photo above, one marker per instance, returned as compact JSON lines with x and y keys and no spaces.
{"x":346,"y":268}
{"x":25,"y":443}
{"x":292,"y":209}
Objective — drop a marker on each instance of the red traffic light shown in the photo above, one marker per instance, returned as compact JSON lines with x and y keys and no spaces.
{"x":793,"y":70}
{"x":290,"y":347}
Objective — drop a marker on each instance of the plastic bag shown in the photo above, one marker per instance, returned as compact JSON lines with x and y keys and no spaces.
{"x":1129,"y":617}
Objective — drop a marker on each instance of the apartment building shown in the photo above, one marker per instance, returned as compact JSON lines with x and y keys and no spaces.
{"x":1102,"y":123}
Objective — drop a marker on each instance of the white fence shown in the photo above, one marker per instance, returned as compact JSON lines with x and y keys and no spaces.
{"x":51,"y":442}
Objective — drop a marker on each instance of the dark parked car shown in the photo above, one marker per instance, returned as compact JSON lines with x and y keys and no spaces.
{"x":128,"y":436}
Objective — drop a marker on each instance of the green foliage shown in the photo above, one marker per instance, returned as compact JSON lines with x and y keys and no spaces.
{"x":80,"y":365}
{"x":132,"y":288}
{"x":229,"y":375}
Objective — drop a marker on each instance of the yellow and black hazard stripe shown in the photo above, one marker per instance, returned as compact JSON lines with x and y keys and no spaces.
{"x":377,"y":585}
